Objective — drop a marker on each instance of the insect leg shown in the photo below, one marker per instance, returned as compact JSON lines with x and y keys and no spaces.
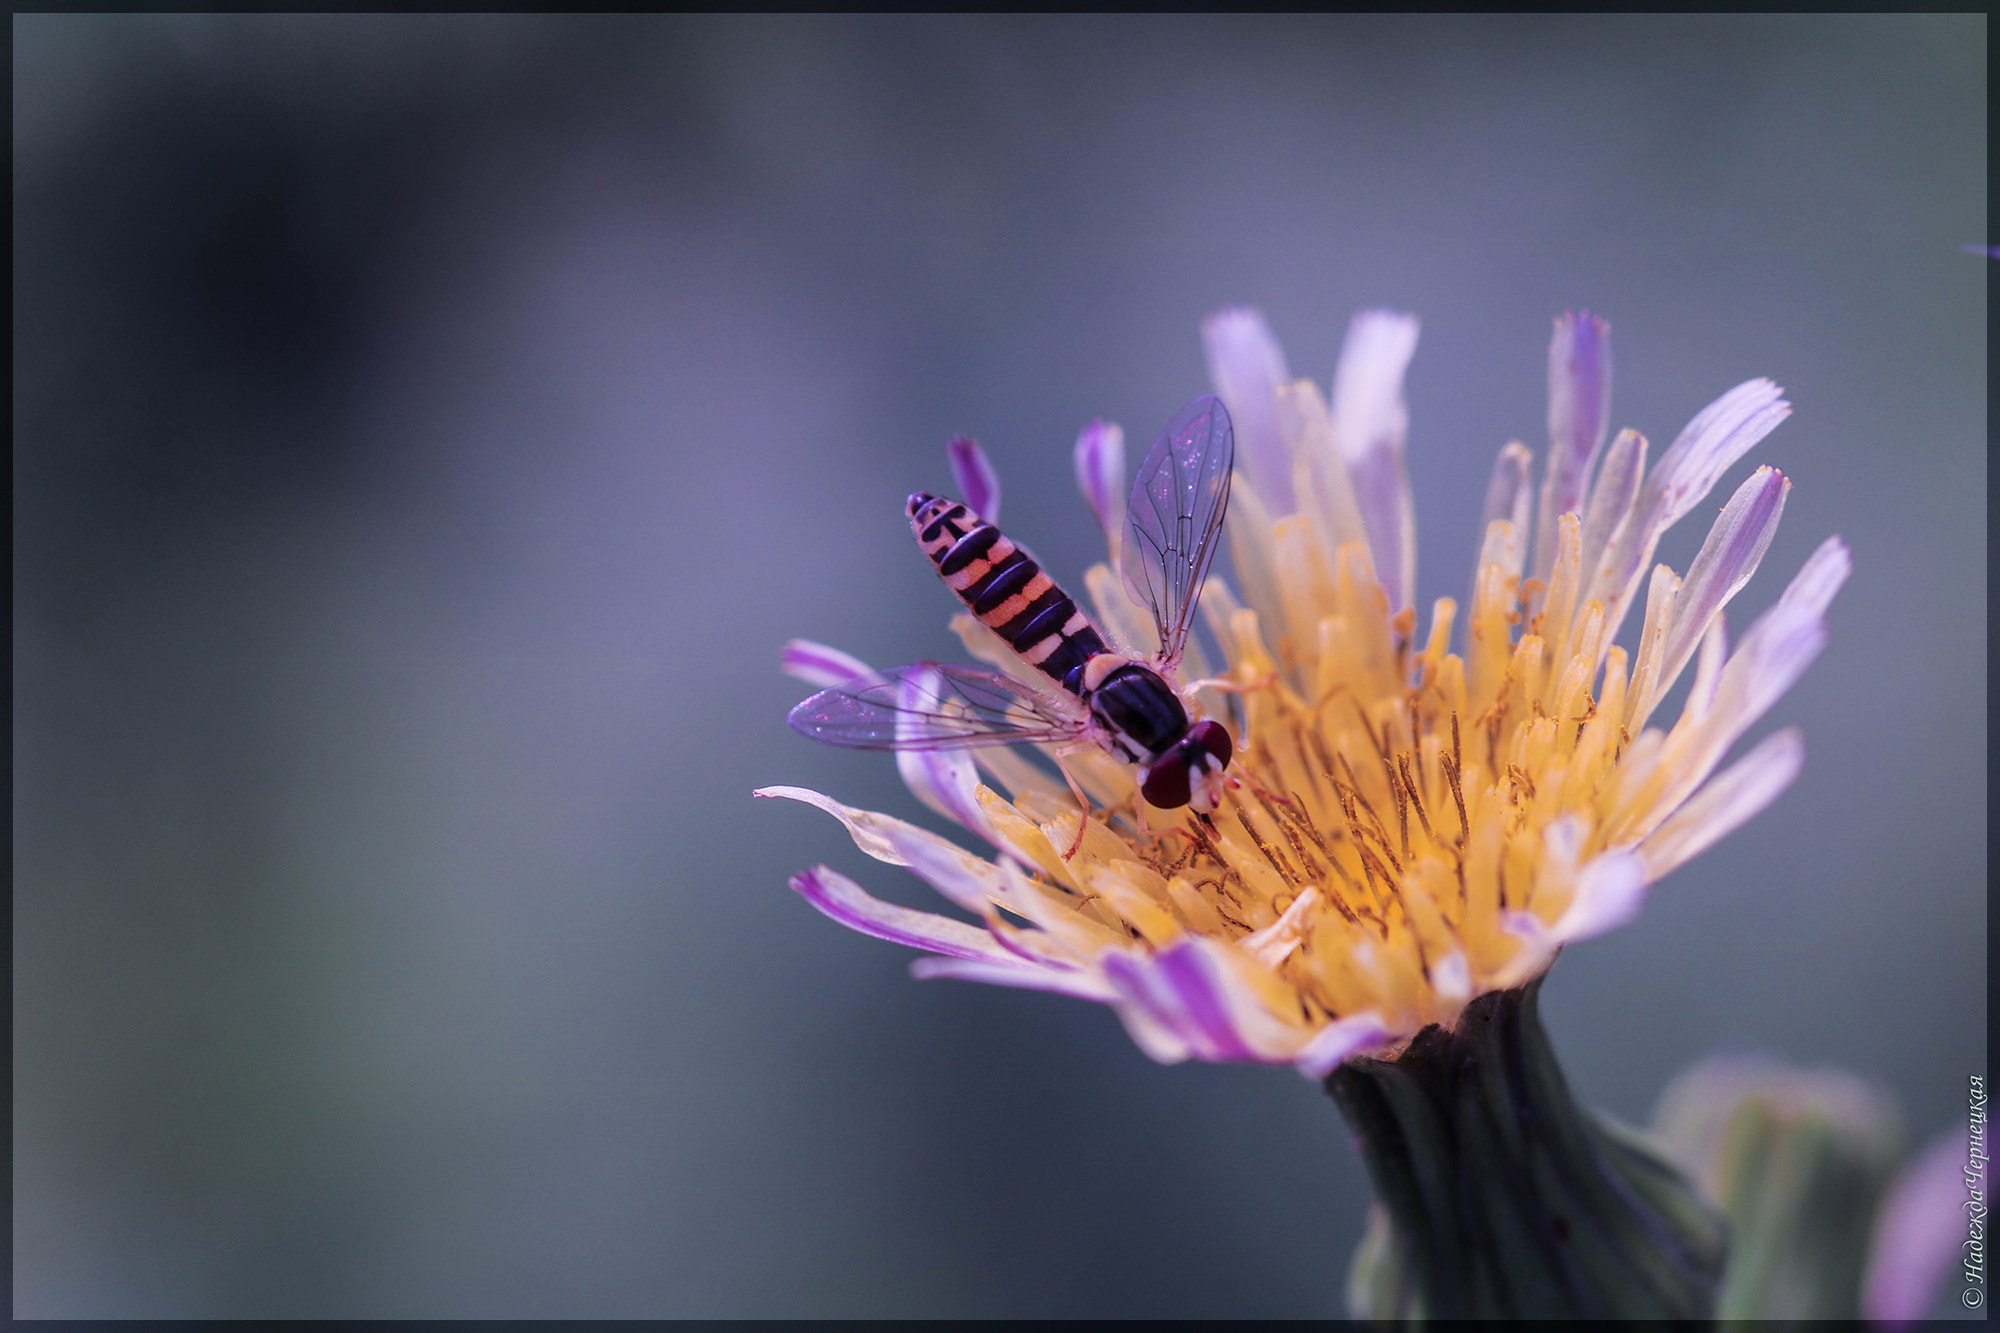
{"x":1082,"y":807}
{"x":1230,"y":686}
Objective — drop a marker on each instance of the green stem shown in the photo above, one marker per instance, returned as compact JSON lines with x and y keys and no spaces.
{"x":1507,"y":1199}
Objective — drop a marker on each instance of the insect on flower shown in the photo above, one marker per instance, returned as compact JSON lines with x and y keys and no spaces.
{"x":1124,"y":703}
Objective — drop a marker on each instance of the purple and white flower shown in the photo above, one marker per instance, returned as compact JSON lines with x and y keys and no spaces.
{"x":1412,"y":826}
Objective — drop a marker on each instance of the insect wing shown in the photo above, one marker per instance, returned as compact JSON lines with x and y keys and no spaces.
{"x":926,"y":706}
{"x":1178,"y":499}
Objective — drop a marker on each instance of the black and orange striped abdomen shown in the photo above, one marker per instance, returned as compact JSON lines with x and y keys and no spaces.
{"x":1004,"y":588}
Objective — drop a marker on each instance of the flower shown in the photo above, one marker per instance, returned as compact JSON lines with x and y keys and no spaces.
{"x":1409,"y":827}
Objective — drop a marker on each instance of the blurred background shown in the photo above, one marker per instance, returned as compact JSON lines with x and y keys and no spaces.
{"x":428,"y":429}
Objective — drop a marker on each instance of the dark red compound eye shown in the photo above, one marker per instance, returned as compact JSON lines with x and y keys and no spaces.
{"x":1165,"y":781}
{"x":1168,"y":782}
{"x":1213,"y":737}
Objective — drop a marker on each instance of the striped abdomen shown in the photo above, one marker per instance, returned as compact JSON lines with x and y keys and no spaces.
{"x":1004,"y":588}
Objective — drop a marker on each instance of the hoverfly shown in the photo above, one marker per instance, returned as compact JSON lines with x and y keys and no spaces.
{"x":1121,"y":702}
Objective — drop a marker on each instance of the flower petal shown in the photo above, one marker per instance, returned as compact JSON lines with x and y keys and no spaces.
{"x":1339,"y":1041}
{"x":1918,"y":1232}
{"x":868,"y":829}
{"x":1813,"y":587}
{"x":978,"y":483}
{"x":1451,"y":978}
{"x":1605,"y":515}
{"x":1707,"y":669}
{"x":1247,"y":366}
{"x":1370,"y":421}
{"x":1579,"y":412}
{"x":945,"y":780}
{"x":1100,"y":475}
{"x":1508,"y":497}
{"x":967,"y":880}
{"x":948,"y":782}
{"x":1735,"y":545}
{"x":1130,"y":625}
{"x":1081,"y":985}
{"x":820,"y":666}
{"x":1319,"y":474}
{"x":1720,"y":434}
{"x":1182,"y":990}
{"x":1609,"y":892}
{"x":1539,"y":947}
{"x":1725,"y":803}
{"x":1275,"y":942}
{"x":1508,"y":493}
{"x":1774,"y":653}
{"x":848,"y":903}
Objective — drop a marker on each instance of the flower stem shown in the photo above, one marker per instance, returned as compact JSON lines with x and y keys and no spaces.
{"x":1504,"y":1197}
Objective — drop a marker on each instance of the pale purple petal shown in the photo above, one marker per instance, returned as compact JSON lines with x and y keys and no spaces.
{"x":1778,"y":665}
{"x":1609,"y":892}
{"x":1725,"y":803}
{"x":1605,"y":516}
{"x":1155,"y":1040}
{"x":1339,"y":1041}
{"x":1539,"y":946}
{"x":1562,"y":844}
{"x":851,"y":905}
{"x":1247,"y":366}
{"x":1081,"y":985}
{"x":1785,"y":639}
{"x":820,"y":666}
{"x":1708,"y":669}
{"x":865,"y":826}
{"x":919,"y":693}
{"x":1579,"y":412}
{"x":1737,"y":542}
{"x":954,"y":872}
{"x":1508,"y":492}
{"x":1772,"y":656}
{"x":978,"y":483}
{"x":1180,"y":990}
{"x":948,"y":782}
{"x":1813,"y":588}
{"x":1989,"y":251}
{"x":1370,"y":421}
{"x":1919,"y":1232}
{"x":1720,"y":434}
{"x":1508,"y":499}
{"x":1451,"y":977}
{"x":945,"y":780}
{"x":1131,"y":979}
{"x":1100,"y":475}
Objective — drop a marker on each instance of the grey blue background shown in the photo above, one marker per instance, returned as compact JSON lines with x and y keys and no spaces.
{"x":428,"y":429}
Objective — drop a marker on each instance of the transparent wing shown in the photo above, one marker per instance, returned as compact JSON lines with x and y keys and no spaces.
{"x":926,"y":706}
{"x":1178,"y":499}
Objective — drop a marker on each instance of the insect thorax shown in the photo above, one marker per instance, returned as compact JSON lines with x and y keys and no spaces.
{"x":1137,"y":706}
